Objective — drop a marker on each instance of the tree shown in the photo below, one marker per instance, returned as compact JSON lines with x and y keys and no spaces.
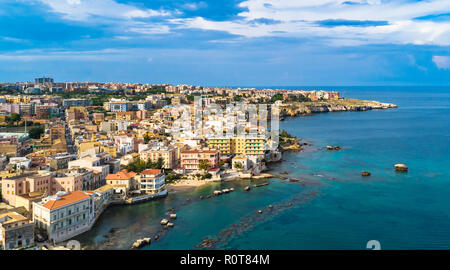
{"x":285,"y":134}
{"x":276,"y":97}
{"x":203,"y":165}
{"x":238,"y":165}
{"x":237,"y":98}
{"x":15,"y":117}
{"x":207,"y":176}
{"x":158,"y":164}
{"x":35,"y":133}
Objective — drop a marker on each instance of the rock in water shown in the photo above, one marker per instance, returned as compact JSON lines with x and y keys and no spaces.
{"x":401,"y":168}
{"x":247,"y":188}
{"x":164,"y":222}
{"x":173,"y":216}
{"x":365,"y":173}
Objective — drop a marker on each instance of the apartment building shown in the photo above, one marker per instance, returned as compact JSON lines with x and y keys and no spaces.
{"x":65,"y":215}
{"x":24,"y":184}
{"x":76,"y":114}
{"x":190,"y":160}
{"x":152,"y":182}
{"x":77,"y":102}
{"x":238,"y":145}
{"x":16,"y":231}
{"x":168,"y":155}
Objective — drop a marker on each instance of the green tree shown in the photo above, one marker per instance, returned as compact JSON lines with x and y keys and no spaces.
{"x":203,"y":165}
{"x":237,"y":98}
{"x":14,"y":117}
{"x":35,"y":133}
{"x":238,"y":165}
{"x":276,"y":97}
{"x":285,"y":134}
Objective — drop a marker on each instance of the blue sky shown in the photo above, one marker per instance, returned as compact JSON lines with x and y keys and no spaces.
{"x":227,"y":42}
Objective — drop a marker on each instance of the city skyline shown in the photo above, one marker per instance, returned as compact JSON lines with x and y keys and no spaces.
{"x":227,"y":43}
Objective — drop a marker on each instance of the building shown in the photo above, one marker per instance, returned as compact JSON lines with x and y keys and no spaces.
{"x":20,"y":163}
{"x":77,"y":102}
{"x":98,"y":118}
{"x":238,"y":145}
{"x":190,"y":160}
{"x":168,"y":155}
{"x":57,"y":131}
{"x":10,"y":146}
{"x":24,"y":184}
{"x":76,"y":114}
{"x":60,"y":162}
{"x":152,"y":182}
{"x":117,"y":105}
{"x":65,"y":215}
{"x":240,"y":162}
{"x":122,"y":178}
{"x":43,"y":80}
{"x":16,"y":231}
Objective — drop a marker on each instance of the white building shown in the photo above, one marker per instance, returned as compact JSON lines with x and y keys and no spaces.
{"x":152,"y":182}
{"x":65,"y":215}
{"x":19,"y":162}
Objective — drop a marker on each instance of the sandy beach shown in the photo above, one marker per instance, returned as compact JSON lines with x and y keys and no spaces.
{"x":183,"y":185}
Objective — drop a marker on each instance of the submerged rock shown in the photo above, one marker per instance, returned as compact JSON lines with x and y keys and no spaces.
{"x":364,"y":173}
{"x":247,"y":188}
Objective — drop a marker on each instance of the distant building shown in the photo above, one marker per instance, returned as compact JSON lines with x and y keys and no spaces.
{"x":77,"y":102}
{"x":43,"y":80}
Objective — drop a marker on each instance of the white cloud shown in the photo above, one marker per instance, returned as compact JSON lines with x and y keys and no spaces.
{"x":84,"y":10}
{"x":195,"y":5}
{"x":442,"y":62}
{"x":294,"y":18}
{"x":299,"y":19}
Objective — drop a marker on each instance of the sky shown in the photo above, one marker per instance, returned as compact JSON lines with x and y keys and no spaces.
{"x":227,"y":42}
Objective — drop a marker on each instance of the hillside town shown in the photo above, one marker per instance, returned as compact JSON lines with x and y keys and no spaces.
{"x":69,"y":150}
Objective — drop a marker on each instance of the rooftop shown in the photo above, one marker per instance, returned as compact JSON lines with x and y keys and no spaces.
{"x":66,"y":199}
{"x":152,"y":172}
{"x":122,"y":175}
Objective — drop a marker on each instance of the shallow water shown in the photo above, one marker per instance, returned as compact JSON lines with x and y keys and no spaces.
{"x":401,"y":210}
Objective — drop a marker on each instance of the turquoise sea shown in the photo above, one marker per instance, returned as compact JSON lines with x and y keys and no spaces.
{"x":333,"y":207}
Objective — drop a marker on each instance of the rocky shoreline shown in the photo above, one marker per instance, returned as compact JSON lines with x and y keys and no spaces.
{"x":340,"y":105}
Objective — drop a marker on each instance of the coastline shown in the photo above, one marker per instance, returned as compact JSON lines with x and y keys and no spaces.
{"x":339,"y":105}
